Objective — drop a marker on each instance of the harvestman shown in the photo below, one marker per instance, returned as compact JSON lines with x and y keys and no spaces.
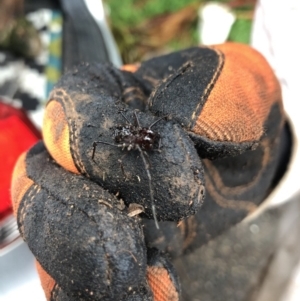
{"x":136,"y":137}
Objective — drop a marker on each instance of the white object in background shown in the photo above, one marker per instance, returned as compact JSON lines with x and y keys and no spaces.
{"x":214,"y":23}
{"x":18,"y":277}
{"x":96,"y":9}
{"x":276,"y":35}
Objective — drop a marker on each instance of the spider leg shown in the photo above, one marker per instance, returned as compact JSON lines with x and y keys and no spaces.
{"x":137,"y":120}
{"x":147,"y":158}
{"x":150,"y":186}
{"x":95,"y":143}
{"x":125,"y":118}
{"x":155,"y":122}
{"x":122,"y":166}
{"x":159,"y":144}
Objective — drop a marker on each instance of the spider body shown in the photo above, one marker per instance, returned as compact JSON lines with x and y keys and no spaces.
{"x":136,"y":137}
{"x":130,"y":137}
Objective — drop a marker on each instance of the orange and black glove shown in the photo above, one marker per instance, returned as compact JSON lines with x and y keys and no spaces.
{"x":122,"y":148}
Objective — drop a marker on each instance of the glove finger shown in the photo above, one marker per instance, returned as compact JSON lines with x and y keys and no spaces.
{"x":222,"y":95}
{"x":77,"y":231}
{"x":54,"y":292}
{"x":242,"y":110}
{"x":89,"y":102}
{"x":235,"y":187}
{"x":47,"y":282}
{"x":162,"y":277}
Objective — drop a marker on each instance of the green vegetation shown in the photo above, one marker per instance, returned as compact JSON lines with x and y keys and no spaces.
{"x":241,"y":31}
{"x":133,"y":12}
{"x":144,"y":28}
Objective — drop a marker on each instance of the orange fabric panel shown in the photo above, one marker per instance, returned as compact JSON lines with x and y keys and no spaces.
{"x":47,"y":281}
{"x":20,"y":183}
{"x":57,"y":136}
{"x":130,"y":67}
{"x":241,"y":99}
{"x":161,"y":285}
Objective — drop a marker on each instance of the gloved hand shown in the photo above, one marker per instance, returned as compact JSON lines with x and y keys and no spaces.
{"x":122,"y":148}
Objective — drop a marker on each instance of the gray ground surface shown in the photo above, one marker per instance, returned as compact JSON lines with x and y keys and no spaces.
{"x":253,"y":261}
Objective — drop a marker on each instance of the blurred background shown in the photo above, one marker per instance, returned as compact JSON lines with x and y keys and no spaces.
{"x":42,"y":39}
{"x":147,"y":28}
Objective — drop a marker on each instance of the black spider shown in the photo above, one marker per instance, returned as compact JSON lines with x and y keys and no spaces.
{"x":136,"y":137}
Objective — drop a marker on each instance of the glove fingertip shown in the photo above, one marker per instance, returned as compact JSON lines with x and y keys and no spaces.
{"x":56,"y":136}
{"x":161,"y":278}
{"x":20,"y":182}
{"x":47,"y":282}
{"x":242,"y":97}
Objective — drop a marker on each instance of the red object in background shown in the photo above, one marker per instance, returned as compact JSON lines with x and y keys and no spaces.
{"x":17,"y":134}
